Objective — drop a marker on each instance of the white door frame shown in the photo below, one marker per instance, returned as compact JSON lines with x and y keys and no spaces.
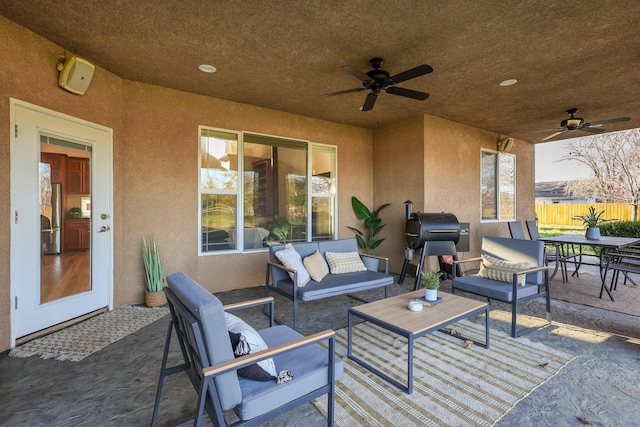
{"x":106,"y":189}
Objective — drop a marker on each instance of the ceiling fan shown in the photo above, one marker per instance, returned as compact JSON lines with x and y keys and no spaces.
{"x":378,"y":79}
{"x":577,"y":123}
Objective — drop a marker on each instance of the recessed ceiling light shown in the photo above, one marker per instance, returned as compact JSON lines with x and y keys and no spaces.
{"x":508,"y":82}
{"x":206,"y":68}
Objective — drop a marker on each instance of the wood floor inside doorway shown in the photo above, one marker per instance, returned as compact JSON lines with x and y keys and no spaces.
{"x":64,"y":274}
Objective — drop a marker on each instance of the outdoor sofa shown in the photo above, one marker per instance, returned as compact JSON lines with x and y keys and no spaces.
{"x":346,"y":272}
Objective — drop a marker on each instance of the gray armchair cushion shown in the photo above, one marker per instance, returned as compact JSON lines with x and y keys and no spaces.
{"x":208,"y":310}
{"x":493,"y":289}
{"x":308,"y":364}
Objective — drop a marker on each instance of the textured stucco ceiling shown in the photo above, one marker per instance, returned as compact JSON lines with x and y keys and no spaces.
{"x":282,"y":54}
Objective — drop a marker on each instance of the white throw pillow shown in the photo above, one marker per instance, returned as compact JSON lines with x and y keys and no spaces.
{"x":255,"y":341}
{"x":290,"y":258}
{"x":344,"y":262}
{"x":502,"y":270}
{"x":316,"y":266}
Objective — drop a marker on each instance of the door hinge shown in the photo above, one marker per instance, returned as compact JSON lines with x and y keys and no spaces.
{"x":16,"y":303}
{"x":16,"y":131}
{"x":16,"y":220}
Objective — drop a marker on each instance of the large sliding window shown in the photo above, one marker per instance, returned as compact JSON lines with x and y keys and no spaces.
{"x":497,"y":186}
{"x":258,"y":189}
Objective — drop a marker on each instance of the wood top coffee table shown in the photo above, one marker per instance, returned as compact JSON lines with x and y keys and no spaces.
{"x":393,"y":315}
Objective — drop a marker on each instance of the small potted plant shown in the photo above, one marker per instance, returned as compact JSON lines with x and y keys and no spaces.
{"x":153,"y":273}
{"x":591,"y":221}
{"x":431,"y":283}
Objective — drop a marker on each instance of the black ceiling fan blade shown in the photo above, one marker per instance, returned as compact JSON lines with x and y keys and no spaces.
{"x":604,"y":122}
{"x":418,"y":71}
{"x":552,"y":135}
{"x":591,"y":130}
{"x":355,"y":73}
{"x":409,"y":93}
{"x":370,"y":101}
{"x":341,"y":92}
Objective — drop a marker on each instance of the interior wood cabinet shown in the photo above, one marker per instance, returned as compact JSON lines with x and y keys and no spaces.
{"x":78,"y":177}
{"x":264,"y":197}
{"x":76,"y":234}
{"x":58,"y":166}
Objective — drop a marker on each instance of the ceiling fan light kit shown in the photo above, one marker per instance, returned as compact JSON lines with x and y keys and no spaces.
{"x":377,"y":80}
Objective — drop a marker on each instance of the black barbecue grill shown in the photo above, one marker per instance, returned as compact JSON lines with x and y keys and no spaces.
{"x":430,"y":234}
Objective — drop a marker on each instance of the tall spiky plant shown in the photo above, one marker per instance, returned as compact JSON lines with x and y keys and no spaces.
{"x":153,"y":270}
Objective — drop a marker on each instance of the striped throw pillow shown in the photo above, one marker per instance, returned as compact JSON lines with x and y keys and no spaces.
{"x":502,"y":270}
{"x":344,"y":262}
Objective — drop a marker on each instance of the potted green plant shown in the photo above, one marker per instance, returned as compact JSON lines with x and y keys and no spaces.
{"x":153,"y":273}
{"x":591,"y":220}
{"x":368,"y":240}
{"x":431,"y":283}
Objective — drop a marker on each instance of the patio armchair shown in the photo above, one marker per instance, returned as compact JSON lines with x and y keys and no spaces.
{"x":202,"y":329}
{"x":511,"y":271}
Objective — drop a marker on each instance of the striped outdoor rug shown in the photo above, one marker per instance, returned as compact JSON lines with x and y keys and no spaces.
{"x":452,"y":385}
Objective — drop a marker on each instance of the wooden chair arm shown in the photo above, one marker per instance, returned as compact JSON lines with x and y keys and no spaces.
{"x":248,"y":303}
{"x":249,"y":359}
{"x":281,"y":267}
{"x":381,"y":258}
{"x":462,"y":261}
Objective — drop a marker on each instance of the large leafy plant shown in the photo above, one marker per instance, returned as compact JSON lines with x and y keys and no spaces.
{"x":368,"y":239}
{"x":153,"y":270}
{"x":592,"y":219}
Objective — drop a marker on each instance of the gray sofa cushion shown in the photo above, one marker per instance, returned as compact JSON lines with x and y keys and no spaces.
{"x":308,"y":364}
{"x":208,"y":310}
{"x":337,"y":284}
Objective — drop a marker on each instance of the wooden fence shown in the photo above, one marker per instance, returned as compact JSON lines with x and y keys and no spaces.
{"x":562,"y":214}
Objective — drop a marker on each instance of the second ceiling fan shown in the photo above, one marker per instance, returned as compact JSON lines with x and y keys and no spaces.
{"x":378,"y":79}
{"x":578,"y":123}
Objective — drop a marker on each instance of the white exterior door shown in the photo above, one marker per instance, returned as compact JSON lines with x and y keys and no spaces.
{"x":29,"y":312}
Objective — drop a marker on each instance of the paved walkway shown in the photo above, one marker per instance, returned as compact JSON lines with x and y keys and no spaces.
{"x":116,"y":386}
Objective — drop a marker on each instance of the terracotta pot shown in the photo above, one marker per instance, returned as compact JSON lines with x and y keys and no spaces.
{"x":155,"y":299}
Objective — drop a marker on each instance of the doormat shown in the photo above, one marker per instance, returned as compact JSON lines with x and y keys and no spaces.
{"x":80,"y":340}
{"x":453,"y":384}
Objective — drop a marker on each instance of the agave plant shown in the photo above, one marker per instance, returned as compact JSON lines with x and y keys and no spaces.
{"x":368,"y":240}
{"x":153,"y":270}
{"x":592,"y":219}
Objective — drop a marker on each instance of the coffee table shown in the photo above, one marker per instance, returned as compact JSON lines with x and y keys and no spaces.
{"x":393,"y":315}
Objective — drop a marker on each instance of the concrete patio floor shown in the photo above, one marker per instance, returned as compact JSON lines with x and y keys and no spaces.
{"x":117,"y":385}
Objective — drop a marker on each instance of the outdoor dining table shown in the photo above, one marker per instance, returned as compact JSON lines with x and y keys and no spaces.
{"x":605,"y":243}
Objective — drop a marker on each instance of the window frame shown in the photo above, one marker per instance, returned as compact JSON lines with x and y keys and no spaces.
{"x":239,"y":193}
{"x":499,"y":184}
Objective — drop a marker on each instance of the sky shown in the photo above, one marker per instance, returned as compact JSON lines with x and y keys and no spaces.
{"x":549,"y":167}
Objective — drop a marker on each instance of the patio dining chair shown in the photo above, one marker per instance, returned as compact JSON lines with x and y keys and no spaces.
{"x":623,"y":261}
{"x":516,"y":230}
{"x":553,"y":253}
{"x":225,"y":381}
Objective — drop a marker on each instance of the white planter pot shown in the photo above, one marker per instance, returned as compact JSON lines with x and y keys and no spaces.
{"x":431,"y":294}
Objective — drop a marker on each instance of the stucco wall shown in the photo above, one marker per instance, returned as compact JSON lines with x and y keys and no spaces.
{"x":156,"y":164}
{"x":431,"y":161}
{"x":436,"y":164}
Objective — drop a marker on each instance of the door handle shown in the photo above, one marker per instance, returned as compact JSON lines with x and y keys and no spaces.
{"x":104,"y":229}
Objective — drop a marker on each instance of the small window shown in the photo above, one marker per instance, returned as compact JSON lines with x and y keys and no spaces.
{"x":497,"y":186}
